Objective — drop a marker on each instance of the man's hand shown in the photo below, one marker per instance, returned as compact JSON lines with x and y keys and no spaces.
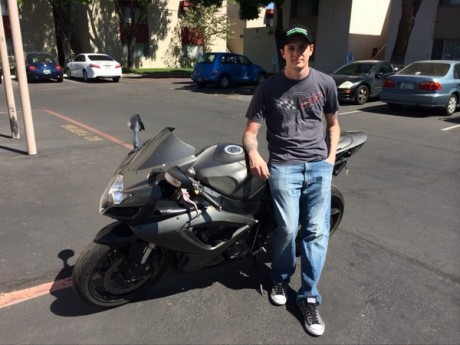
{"x":258,"y":166}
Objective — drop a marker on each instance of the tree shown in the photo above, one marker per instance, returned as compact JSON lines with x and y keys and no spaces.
{"x":133,"y":16}
{"x":406,"y":23}
{"x":62,"y":15}
{"x":206,"y":23}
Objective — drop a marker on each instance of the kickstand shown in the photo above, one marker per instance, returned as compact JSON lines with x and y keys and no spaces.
{"x":259,"y":275}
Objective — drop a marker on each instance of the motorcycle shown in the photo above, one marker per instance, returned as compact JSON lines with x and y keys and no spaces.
{"x":178,"y":209}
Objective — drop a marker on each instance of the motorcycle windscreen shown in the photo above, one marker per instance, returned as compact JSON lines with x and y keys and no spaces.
{"x":161,"y":152}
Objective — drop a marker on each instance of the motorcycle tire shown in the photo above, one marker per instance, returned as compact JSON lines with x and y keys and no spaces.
{"x":104,"y":275}
{"x":337,"y":209}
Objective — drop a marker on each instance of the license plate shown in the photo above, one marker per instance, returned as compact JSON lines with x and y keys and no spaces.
{"x":406,"y":86}
{"x":46,"y":71}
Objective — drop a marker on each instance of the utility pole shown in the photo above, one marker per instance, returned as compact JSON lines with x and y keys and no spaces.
{"x":22,"y":77}
{"x":8,"y":83}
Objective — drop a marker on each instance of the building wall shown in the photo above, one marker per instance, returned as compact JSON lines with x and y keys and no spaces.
{"x":447,"y":18}
{"x":421,"y":39}
{"x":37,"y":27}
{"x":332,"y":34}
{"x":235,"y":39}
{"x":369,"y":25}
{"x":260,"y":47}
{"x":98,"y":30}
{"x":164,"y":38}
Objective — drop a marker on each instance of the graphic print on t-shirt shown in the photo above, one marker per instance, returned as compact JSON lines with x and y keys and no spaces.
{"x":299,"y":105}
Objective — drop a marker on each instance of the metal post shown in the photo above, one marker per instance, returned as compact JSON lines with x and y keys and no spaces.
{"x":8,"y":83}
{"x":22,"y":77}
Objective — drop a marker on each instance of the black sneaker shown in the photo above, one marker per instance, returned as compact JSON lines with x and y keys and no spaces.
{"x":313,"y":322}
{"x":278,"y":294}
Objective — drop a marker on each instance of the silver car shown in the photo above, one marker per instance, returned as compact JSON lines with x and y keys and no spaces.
{"x":428,"y":83}
{"x":94,"y":66}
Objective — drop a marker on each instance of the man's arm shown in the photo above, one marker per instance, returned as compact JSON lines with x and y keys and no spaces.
{"x":257,"y":164}
{"x":333,"y":131}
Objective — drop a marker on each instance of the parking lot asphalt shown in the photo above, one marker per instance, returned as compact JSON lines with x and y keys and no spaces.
{"x":380,"y":289}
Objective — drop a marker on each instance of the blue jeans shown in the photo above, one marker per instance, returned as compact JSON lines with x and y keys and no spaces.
{"x":301,"y":194}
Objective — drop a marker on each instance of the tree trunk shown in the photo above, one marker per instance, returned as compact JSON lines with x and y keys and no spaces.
{"x":406,"y":23}
{"x":279,"y":33}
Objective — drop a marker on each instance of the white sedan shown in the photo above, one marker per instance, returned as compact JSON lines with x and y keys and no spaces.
{"x":92,"y":66}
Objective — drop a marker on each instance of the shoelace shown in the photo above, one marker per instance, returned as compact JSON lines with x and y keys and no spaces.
{"x":279,"y":289}
{"x":311,"y":313}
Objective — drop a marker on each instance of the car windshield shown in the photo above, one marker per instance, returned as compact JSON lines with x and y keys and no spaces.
{"x":99,"y":58}
{"x":207,"y":58}
{"x":433,"y":69}
{"x":43,"y":58}
{"x":356,"y":69}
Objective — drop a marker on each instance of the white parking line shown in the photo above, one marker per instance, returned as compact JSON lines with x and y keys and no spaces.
{"x":449,"y":128}
{"x":350,"y":112}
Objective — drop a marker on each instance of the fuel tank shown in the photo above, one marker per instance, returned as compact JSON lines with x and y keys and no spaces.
{"x":223,"y":168}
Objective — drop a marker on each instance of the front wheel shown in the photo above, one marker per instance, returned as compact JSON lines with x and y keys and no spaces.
{"x":110,"y":276}
{"x":362,"y":94}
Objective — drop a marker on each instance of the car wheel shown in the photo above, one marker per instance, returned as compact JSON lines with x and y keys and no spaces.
{"x":451,"y":105}
{"x":201,"y":84}
{"x":60,"y":79}
{"x":362,"y":93}
{"x":224,"y":81}
{"x":116,"y":79}
{"x":69,"y":74}
{"x":85,"y":76}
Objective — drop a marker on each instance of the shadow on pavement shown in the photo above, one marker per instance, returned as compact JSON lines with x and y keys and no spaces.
{"x":404,"y":111}
{"x":237,"y":275}
{"x":214,"y":89}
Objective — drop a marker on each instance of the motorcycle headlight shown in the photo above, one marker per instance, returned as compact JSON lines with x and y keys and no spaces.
{"x":113,"y":194}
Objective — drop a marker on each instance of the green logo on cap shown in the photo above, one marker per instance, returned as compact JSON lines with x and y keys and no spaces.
{"x":297,"y":31}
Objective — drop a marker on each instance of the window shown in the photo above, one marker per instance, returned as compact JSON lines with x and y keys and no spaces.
{"x":457,"y":71}
{"x":446,"y":49}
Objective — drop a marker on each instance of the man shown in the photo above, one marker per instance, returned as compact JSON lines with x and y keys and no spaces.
{"x":299,"y":106}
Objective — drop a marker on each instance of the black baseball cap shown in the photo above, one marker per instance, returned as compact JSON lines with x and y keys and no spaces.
{"x":298,"y":29}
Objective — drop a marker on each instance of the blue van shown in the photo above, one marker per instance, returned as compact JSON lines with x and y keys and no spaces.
{"x":225,"y":69}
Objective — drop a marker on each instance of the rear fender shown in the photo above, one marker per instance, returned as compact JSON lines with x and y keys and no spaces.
{"x":115,"y":234}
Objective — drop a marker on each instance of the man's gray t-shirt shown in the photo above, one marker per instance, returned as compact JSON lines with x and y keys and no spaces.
{"x":293,"y":111}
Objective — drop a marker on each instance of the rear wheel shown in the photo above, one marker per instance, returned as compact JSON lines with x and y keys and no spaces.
{"x":109,"y":276}
{"x":337,"y":208}
{"x":224,"y":81}
{"x":116,"y":79}
{"x":451,"y":105}
{"x":85,"y":76}
{"x":362,"y":94}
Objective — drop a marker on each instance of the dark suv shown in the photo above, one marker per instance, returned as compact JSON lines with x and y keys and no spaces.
{"x":225,"y":69}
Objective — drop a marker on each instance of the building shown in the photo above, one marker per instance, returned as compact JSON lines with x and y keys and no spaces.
{"x":345,"y":30}
{"x":349,"y":30}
